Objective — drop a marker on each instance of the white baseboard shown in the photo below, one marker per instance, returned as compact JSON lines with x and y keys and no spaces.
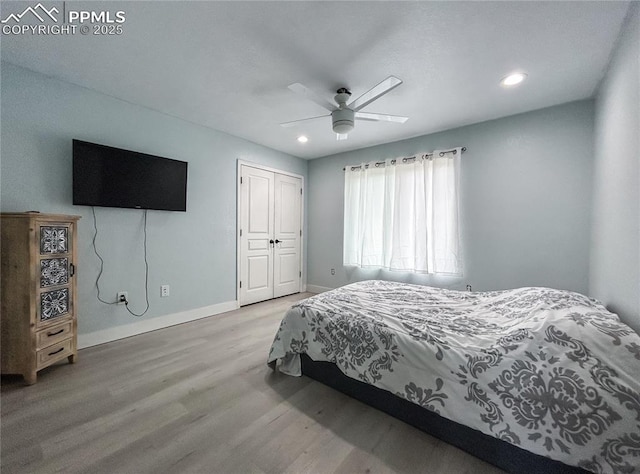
{"x":146,"y":325}
{"x":317,"y":289}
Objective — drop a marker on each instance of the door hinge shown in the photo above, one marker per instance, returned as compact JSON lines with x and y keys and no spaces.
{"x":240,"y":179}
{"x":300,"y":190}
{"x":240,"y":232}
{"x":300,"y":274}
{"x":240,"y":284}
{"x":300,"y":232}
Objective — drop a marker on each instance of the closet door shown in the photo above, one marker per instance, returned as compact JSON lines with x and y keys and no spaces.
{"x":286,"y":265}
{"x":256,"y":224}
{"x":270,"y":224}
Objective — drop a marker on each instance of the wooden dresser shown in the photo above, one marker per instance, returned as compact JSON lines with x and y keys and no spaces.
{"x":38,"y":318}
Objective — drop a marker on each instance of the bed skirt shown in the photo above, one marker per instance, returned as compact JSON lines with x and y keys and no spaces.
{"x":492,"y":450}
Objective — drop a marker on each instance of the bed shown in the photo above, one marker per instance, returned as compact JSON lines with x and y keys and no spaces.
{"x":521,"y":378}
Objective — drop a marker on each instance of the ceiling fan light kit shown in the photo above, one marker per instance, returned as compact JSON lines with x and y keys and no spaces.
{"x":342,"y":120}
{"x":343,"y":116}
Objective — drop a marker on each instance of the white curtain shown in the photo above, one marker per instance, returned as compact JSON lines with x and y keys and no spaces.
{"x":404,"y":216}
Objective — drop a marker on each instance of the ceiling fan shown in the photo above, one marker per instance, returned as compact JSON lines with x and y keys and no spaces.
{"x":343,"y":115}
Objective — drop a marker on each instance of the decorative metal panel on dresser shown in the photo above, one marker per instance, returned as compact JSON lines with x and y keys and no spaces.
{"x":38,"y":319}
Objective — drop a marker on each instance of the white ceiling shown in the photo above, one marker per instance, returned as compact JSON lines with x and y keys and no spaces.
{"x":227,"y":65}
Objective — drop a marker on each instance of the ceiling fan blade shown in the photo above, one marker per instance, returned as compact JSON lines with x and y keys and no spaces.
{"x":312,"y":96}
{"x":381,"y":117}
{"x":293,"y":123}
{"x":365,"y":99}
{"x":341,"y":136}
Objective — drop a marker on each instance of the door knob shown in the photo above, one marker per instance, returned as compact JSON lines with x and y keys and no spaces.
{"x":278,"y":241}
{"x":271,"y":242}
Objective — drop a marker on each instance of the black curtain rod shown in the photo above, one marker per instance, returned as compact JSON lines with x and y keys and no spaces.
{"x":408,"y":158}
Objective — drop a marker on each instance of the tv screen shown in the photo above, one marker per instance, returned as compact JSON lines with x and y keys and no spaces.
{"x":111,"y":177}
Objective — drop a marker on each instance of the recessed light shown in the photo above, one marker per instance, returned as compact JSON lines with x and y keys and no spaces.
{"x":513,"y":79}
{"x":303,"y":139}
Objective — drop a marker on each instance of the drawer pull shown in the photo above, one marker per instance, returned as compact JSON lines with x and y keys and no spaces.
{"x":49,"y":334}
{"x":55,"y":352}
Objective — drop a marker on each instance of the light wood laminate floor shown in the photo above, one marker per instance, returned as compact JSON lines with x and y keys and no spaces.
{"x":199,"y":397}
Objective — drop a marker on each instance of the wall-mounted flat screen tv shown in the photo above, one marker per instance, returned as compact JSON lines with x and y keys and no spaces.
{"x":111,"y":177}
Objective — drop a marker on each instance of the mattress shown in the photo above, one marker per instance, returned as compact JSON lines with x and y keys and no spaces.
{"x":549,"y":371}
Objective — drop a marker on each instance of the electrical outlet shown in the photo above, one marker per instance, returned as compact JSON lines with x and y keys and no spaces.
{"x":122,"y":297}
{"x":164,"y":291}
{"x":333,"y":271}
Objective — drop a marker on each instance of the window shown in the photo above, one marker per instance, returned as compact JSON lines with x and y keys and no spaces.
{"x":403,"y":215}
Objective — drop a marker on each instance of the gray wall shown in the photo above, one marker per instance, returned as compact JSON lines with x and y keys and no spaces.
{"x":615,"y":243}
{"x":193,"y":252}
{"x":525,"y":202}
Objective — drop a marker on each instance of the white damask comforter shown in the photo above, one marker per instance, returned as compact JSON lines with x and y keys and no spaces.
{"x":547,"y":370}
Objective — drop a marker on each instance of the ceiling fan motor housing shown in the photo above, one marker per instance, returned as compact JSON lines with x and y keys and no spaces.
{"x":342,"y":120}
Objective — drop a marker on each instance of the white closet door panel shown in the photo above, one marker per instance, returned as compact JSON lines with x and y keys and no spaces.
{"x":259,"y":189}
{"x":259,"y":273}
{"x":257,"y":226}
{"x":288,"y":272}
{"x":287,"y":210}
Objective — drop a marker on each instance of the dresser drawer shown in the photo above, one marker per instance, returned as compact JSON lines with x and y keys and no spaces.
{"x":54,"y":353}
{"x":54,"y":334}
